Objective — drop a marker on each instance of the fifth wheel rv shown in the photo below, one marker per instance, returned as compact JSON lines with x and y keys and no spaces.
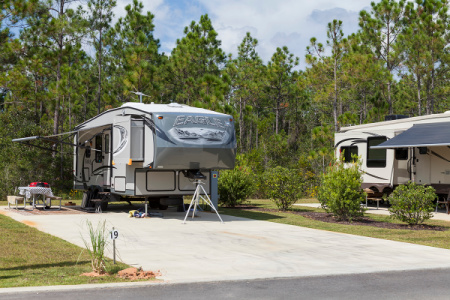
{"x":397,"y":151}
{"x":149,"y":151}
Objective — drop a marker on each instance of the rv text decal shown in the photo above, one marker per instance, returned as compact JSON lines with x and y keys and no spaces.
{"x":184,"y":120}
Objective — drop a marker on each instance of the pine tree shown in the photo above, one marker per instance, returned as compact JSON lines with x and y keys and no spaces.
{"x":53,"y":29}
{"x":196,"y":65}
{"x":100,"y":18}
{"x":380,"y":29}
{"x":281,"y":78}
{"x":135,"y":51}
{"x":246,"y":73}
{"x":328,"y":70}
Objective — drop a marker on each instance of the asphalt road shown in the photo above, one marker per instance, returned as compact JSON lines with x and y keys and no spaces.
{"x":419,"y":284}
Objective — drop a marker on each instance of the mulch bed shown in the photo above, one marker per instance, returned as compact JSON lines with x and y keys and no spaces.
{"x":364,"y":221}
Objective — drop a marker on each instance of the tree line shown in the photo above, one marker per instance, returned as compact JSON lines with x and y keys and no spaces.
{"x":68,"y":63}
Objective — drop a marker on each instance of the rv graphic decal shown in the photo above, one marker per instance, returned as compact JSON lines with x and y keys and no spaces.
{"x":358,"y":142}
{"x":123,"y":139}
{"x":99,"y":171}
{"x":349,"y":139}
{"x":377,"y":177}
{"x":194,"y":135}
{"x":373,"y":134}
{"x":197,"y":133}
{"x":185,"y":120}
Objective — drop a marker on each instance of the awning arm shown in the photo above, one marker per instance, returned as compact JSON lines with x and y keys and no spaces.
{"x":30,"y":138}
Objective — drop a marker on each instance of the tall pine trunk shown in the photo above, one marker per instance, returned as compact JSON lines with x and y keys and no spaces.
{"x":99,"y":91}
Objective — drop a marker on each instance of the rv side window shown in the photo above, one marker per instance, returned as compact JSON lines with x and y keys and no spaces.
{"x":98,"y":149}
{"x":376,"y":158}
{"x":348,"y":152}
{"x":401,"y":153}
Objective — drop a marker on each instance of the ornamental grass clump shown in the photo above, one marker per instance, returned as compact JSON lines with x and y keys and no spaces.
{"x":412,"y":203}
{"x":340,"y":191}
{"x":96,"y":246}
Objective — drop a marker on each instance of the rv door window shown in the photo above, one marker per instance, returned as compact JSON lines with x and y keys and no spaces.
{"x":349,"y":151}
{"x":401,"y":153}
{"x":376,"y":158}
{"x":98,"y":149}
{"x":137,"y":140}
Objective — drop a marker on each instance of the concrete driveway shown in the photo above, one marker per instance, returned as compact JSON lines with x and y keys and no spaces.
{"x":206,"y":250}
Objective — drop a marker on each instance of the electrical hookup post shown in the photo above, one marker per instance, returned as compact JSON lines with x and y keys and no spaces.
{"x":114,"y":234}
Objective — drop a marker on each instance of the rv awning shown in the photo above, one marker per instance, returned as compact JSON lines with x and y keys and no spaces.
{"x":420,"y":135}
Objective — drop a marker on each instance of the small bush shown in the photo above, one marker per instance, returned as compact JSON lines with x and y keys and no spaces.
{"x":235,"y":186}
{"x":412,"y":203}
{"x":340,"y":191}
{"x":283,"y":186}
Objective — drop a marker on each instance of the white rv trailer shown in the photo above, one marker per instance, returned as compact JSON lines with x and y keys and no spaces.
{"x":149,"y":151}
{"x":397,"y":151}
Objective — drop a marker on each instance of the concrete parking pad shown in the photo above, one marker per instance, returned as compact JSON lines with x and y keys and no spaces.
{"x":206,"y":250}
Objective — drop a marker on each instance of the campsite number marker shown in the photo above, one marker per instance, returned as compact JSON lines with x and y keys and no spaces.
{"x":114,"y":236}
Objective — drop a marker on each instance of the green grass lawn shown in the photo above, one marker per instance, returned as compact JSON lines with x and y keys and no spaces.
{"x":29,"y":257}
{"x":440,"y":239}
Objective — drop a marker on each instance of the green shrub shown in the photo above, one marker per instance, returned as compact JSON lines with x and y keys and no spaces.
{"x":235,"y":186}
{"x":412,"y":203}
{"x":283,"y":186}
{"x":340,"y":191}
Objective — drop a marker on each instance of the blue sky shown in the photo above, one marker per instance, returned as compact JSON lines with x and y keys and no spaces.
{"x":275,"y":23}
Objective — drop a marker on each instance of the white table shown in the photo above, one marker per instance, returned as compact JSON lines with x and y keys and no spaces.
{"x":34,"y":192}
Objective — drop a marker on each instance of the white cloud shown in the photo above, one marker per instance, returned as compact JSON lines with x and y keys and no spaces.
{"x":275,"y":23}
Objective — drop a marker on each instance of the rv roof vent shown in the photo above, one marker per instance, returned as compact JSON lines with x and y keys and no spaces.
{"x":173,"y":104}
{"x":447,"y":112}
{"x":152,"y":103}
{"x":394,"y":117}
